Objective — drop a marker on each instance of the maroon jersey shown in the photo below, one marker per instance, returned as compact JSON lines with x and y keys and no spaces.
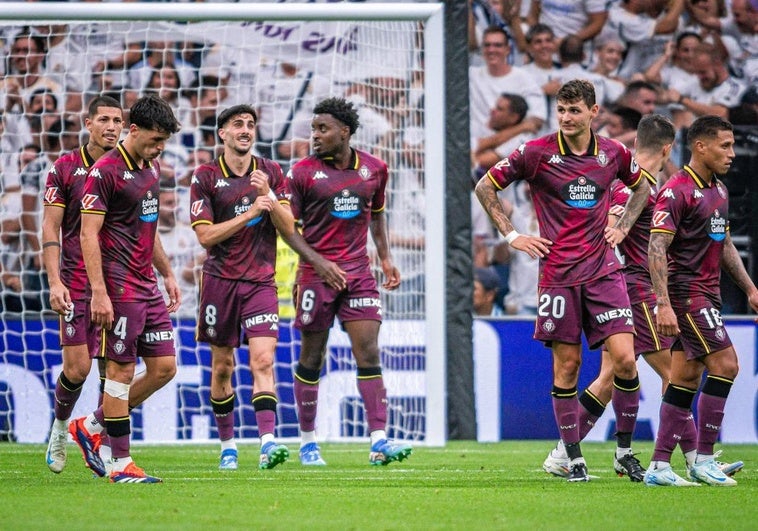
{"x":571,"y":195}
{"x":64,"y":189}
{"x":127,"y":196}
{"x":218,"y":195}
{"x":633,"y":249}
{"x":336,"y":205}
{"x":697,"y":214}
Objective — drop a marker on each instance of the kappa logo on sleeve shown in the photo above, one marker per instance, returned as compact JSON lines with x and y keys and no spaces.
{"x":197,"y":207}
{"x":51,"y":194}
{"x":659,"y":217}
{"x":88,"y":201}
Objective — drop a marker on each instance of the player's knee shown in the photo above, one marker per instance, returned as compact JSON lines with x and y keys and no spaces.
{"x":261,"y":362}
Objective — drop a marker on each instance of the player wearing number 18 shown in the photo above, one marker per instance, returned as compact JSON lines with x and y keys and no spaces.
{"x":238,"y":204}
{"x":581,"y":288}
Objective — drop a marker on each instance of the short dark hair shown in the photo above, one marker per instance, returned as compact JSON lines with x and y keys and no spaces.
{"x":571,"y":49}
{"x":538,"y":29}
{"x":340,"y":109}
{"x":152,"y":112}
{"x":654,"y":131}
{"x":101,"y":101}
{"x":518,"y":104}
{"x":636,"y":86}
{"x":576,"y":90}
{"x":630,"y":118}
{"x":493,"y":29}
{"x":706,"y":127}
{"x":44,"y":91}
{"x":227,"y":114}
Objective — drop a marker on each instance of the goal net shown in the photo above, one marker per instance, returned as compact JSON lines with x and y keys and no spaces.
{"x":201,"y":58}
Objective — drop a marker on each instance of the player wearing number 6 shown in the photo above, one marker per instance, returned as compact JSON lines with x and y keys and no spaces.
{"x":581,"y":288}
{"x":338,"y":193}
{"x":238,"y":204}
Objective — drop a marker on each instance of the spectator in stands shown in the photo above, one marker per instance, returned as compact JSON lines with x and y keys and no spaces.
{"x":65,"y":64}
{"x":507,"y":131}
{"x":486,"y":287}
{"x":204,"y":98}
{"x":675,"y":68}
{"x":542,"y":47}
{"x":571,"y":53}
{"x":715,"y":93}
{"x":487,"y":82}
{"x":746,"y":113}
{"x":584,"y":19}
{"x":621,"y":124}
{"x":609,"y":52}
{"x":645,"y":27}
{"x":641,"y":96}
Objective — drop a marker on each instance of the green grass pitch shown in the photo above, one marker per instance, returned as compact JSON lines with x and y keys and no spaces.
{"x":464,"y":485}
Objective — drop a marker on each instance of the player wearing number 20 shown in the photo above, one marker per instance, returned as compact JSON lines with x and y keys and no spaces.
{"x":581,"y":288}
{"x":238,"y":204}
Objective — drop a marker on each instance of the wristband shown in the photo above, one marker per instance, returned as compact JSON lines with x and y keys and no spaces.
{"x":50,"y":244}
{"x":511,"y":236}
{"x":272,"y":195}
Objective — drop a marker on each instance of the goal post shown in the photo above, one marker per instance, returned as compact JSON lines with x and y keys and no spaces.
{"x":386,"y":57}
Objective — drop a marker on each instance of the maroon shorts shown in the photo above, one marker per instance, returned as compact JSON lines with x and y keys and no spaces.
{"x":317,"y":304}
{"x":228,"y":305}
{"x":701,"y":330}
{"x":600,"y":308}
{"x":140,"y":329}
{"x":647,"y":340}
{"x":76,"y":328}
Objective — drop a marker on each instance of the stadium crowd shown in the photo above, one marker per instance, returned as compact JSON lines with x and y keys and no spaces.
{"x":679,"y":58}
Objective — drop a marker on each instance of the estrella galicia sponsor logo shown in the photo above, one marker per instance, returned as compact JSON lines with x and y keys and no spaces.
{"x":149,"y":208}
{"x":581,"y":193}
{"x":243,"y":206}
{"x":717,"y":227}
{"x":346,"y":205}
{"x":618,"y":313}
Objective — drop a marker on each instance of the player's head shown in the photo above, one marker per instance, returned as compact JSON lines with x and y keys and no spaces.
{"x":655,"y":134}
{"x":711,"y":141}
{"x":105,"y":120}
{"x":152,"y":122}
{"x":335,"y":120}
{"x":576,"y":107}
{"x":235,"y":127}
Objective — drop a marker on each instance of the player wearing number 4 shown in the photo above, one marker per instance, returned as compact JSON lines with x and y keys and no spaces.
{"x":238,"y":204}
{"x":581,"y":288}
{"x":121,"y":245}
{"x":689,"y":245}
{"x":62,"y":254}
{"x":338,"y":193}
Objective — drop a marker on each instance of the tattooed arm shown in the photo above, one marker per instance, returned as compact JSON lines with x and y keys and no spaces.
{"x":637,"y":201}
{"x":732,"y":264}
{"x":658,"y":264}
{"x":534,"y":246}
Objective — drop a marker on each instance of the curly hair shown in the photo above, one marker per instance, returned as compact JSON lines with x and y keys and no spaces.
{"x":340,"y":109}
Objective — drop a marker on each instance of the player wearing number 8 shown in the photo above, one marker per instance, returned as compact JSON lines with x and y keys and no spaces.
{"x":238,"y":204}
{"x":580,"y":284}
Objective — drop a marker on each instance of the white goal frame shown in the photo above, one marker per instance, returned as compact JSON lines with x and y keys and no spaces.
{"x":432,"y":14}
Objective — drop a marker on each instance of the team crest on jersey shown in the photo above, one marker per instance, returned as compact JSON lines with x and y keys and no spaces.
{"x":149,"y":208}
{"x":210,"y":331}
{"x":80,"y":172}
{"x":119,"y":347}
{"x":319,"y":175}
{"x":95,"y":173}
{"x":659,"y":217}
{"x":717,"y":227}
{"x":548,"y":326}
{"x":364,"y":173}
{"x":221,"y":183}
{"x":602,"y":159}
{"x":51,"y":194}
{"x":581,"y":193}
{"x":306,"y":318}
{"x":720,"y":334}
{"x":345,"y":205}
{"x":88,"y":201}
{"x":127,"y":176}
{"x":196,"y":207}
{"x":70,"y":330}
